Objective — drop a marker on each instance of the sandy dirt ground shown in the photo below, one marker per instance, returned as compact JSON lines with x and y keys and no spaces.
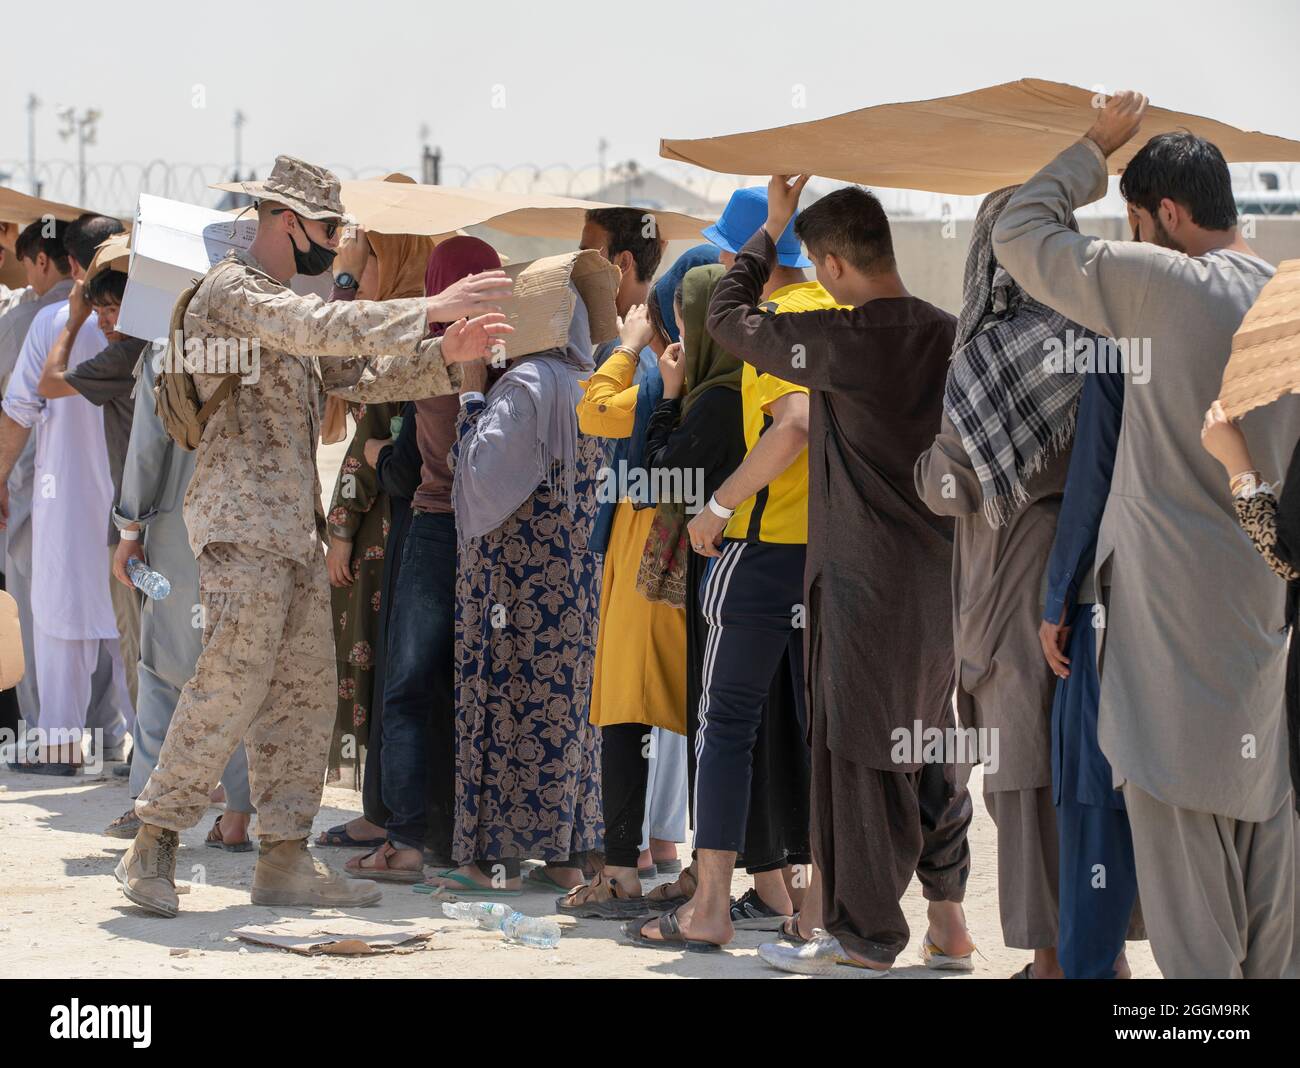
{"x":63,"y":916}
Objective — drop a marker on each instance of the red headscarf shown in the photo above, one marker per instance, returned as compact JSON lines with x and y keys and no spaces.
{"x":454,"y":259}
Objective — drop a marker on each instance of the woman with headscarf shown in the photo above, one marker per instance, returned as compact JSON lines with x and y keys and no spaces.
{"x":418,"y":767}
{"x":358,"y":517}
{"x":528,"y":586}
{"x":999,"y":465}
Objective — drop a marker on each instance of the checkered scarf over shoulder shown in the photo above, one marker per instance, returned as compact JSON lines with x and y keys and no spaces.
{"x":1013,"y":410}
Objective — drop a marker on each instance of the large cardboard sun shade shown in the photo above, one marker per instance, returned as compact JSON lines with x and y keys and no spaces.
{"x":965,"y":144}
{"x":16,"y":207}
{"x":541,"y":306}
{"x":439,"y":210}
{"x":1265,"y":360}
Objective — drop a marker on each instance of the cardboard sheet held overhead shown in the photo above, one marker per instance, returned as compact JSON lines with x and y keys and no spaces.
{"x":436,"y":210}
{"x":1265,"y":360}
{"x":965,"y":144}
{"x":16,"y":207}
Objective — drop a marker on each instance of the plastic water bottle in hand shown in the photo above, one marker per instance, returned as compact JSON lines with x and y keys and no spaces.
{"x":535,"y":931}
{"x":151,"y":583}
{"x":489,"y":915}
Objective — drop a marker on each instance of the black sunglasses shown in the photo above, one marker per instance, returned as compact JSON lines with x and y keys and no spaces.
{"x":331,"y":228}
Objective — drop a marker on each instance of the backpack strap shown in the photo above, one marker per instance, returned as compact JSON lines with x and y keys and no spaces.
{"x":223,"y":390}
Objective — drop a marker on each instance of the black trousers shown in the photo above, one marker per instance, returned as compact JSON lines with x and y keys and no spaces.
{"x":624,"y":777}
{"x":751,"y":597}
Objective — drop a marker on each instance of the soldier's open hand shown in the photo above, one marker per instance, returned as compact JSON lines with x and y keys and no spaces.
{"x":472,"y":295}
{"x":474,"y":339}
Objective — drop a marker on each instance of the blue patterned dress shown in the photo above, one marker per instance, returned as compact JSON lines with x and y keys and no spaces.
{"x":527,"y":757}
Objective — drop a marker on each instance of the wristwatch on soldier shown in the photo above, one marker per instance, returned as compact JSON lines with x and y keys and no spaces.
{"x":345,"y":280}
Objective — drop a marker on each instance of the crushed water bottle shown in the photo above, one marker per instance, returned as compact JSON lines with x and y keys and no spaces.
{"x":535,"y":931}
{"x":151,"y":583}
{"x":489,"y":915}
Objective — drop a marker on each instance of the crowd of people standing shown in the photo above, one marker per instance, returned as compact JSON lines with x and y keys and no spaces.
{"x":752,"y":544}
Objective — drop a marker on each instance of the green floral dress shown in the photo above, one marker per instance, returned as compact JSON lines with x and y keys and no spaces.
{"x":358,"y":512}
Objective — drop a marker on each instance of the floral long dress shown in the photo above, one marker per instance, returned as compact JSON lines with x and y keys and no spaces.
{"x":359,"y":512}
{"x":527,"y":756}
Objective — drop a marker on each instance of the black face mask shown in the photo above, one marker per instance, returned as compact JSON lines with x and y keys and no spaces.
{"x":316,"y":260}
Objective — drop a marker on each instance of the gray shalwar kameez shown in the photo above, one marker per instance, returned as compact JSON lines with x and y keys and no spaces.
{"x":1194,"y":655}
{"x":1004,"y":686}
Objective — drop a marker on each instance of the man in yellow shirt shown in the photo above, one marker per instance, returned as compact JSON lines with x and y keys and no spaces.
{"x":755,"y":529}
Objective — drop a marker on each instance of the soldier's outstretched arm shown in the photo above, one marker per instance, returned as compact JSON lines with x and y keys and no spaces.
{"x":247,"y":306}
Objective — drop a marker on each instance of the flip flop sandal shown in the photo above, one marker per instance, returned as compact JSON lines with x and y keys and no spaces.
{"x":355,"y":868}
{"x":215,"y":841}
{"x":648,"y":872}
{"x":466,"y":887}
{"x":937,"y":960}
{"x":671,"y":937}
{"x":125,"y":826}
{"x":668,"y":867}
{"x":338,"y":837}
{"x":600,"y":900}
{"x":1023,"y":973}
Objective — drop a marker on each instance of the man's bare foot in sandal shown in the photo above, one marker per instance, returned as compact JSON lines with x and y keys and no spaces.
{"x":360,"y":832}
{"x":568,"y":876}
{"x":703,"y":928}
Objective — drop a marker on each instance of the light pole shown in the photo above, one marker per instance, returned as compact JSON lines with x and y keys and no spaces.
{"x":32,"y":104}
{"x":83,"y":128}
{"x":240,"y":119}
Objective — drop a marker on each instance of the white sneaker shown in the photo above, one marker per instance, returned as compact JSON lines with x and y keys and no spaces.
{"x":820,"y":955}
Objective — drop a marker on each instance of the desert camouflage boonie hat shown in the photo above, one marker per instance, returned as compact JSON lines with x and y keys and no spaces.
{"x":311,"y":191}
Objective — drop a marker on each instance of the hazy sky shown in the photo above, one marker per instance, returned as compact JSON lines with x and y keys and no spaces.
{"x":511,"y":82}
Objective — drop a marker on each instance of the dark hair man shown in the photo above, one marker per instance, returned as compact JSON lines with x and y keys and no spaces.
{"x":629,"y":239}
{"x":1193,"y":650}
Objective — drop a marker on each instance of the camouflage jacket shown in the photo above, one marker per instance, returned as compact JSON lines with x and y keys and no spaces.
{"x":255,"y":479}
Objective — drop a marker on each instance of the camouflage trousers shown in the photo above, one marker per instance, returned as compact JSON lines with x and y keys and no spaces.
{"x":266,"y":678}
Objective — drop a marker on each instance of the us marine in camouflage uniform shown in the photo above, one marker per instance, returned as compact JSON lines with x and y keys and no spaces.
{"x":266,"y":675}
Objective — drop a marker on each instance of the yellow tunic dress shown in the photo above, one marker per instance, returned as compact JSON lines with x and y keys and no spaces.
{"x":640,"y":673}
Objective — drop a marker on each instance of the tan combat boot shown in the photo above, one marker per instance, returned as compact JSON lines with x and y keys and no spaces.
{"x":147,"y":871}
{"x":286,"y":874}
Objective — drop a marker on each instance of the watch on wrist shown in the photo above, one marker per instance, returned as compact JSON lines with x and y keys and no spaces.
{"x":345,"y":280}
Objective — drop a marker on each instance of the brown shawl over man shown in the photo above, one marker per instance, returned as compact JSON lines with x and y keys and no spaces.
{"x":879,"y":647}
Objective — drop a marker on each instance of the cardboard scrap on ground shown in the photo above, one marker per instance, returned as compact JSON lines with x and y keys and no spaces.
{"x":336,"y":936}
{"x":964,"y":144}
{"x":1265,"y":360}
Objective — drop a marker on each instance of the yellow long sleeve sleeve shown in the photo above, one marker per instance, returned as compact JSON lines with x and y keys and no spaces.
{"x":608,"y":405}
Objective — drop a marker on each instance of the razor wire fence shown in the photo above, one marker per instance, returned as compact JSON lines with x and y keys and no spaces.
{"x":1260,"y":188}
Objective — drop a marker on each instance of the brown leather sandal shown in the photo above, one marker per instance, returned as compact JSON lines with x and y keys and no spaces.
{"x":601,"y":899}
{"x":671,"y":895}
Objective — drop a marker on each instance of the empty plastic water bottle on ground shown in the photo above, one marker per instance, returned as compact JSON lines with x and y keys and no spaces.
{"x":487,"y":914}
{"x":535,"y":931}
{"x":151,"y":583}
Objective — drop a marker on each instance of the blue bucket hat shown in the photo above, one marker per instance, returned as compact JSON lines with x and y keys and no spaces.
{"x":742,"y":218}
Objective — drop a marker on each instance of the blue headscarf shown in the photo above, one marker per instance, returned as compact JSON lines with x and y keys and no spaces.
{"x":665,"y":291}
{"x":630,"y":451}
